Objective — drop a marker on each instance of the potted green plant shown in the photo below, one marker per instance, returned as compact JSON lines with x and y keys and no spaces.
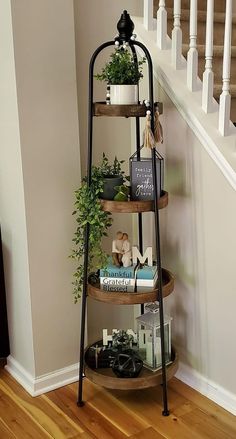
{"x":113,"y":176}
{"x":122,"y":74}
{"x":88,"y":210}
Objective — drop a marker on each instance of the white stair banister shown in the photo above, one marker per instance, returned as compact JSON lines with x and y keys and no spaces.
{"x":192,"y":58}
{"x":161,"y":25}
{"x":208,"y":75}
{"x":177,"y":36}
{"x":225,"y":97}
{"x":148,"y":14}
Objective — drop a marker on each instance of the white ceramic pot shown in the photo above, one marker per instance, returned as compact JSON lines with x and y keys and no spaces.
{"x":123,"y":94}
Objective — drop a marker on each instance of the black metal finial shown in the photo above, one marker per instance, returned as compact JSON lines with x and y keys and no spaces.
{"x":125,"y":27}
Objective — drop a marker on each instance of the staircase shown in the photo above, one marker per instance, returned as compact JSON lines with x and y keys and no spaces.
{"x":219,"y":27}
{"x":201,"y":85}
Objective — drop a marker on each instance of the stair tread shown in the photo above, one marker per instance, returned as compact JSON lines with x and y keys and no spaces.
{"x":217,"y":50}
{"x":219,"y":17}
{"x":218,"y":90}
{"x":219,"y":5}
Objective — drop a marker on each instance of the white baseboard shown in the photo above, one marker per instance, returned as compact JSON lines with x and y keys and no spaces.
{"x":62,"y":377}
{"x":208,"y":388}
{"x":44,"y":383}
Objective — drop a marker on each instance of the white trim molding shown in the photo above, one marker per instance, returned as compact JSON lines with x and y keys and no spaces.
{"x":206,"y":387}
{"x":43,"y":383}
{"x":62,"y":377}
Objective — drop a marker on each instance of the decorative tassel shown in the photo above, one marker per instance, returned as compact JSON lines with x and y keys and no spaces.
{"x":148,"y":138}
{"x":158,"y":131}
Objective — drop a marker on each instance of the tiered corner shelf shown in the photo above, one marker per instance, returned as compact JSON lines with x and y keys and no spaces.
{"x":140,"y":297}
{"x":139,"y":110}
{"x":105,"y":377}
{"x":134,"y":206}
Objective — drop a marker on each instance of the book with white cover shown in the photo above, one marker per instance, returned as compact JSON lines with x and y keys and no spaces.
{"x":147,"y":282}
{"x":146,"y":285}
{"x":118,"y":284}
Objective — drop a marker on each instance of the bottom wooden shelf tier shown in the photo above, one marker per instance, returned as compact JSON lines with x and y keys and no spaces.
{"x":106,"y":378}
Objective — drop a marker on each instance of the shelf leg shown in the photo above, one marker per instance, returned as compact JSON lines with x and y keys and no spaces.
{"x":160,"y":296}
{"x":80,"y":402}
{"x":140,"y":219}
{"x":157,"y":229}
{"x":140,"y":232}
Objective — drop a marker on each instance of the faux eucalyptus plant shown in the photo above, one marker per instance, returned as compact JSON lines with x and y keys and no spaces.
{"x":88,"y":211}
{"x":121,"y":69}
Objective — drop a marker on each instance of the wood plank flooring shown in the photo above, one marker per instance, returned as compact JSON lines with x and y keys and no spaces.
{"x":110,"y":414}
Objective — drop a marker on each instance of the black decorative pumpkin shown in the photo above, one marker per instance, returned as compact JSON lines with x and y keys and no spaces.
{"x":127,"y":364}
{"x":93,"y":277}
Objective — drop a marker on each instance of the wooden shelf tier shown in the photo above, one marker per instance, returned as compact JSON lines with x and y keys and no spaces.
{"x":106,"y":378}
{"x":115,"y":298}
{"x":134,"y":206}
{"x":138,"y":110}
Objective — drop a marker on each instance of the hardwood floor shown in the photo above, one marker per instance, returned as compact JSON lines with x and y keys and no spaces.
{"x":110,"y":414}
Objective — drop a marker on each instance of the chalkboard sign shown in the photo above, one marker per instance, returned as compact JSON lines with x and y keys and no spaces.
{"x":141,"y":178}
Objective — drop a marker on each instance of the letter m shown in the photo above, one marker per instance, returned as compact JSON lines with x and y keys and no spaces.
{"x":136,"y":255}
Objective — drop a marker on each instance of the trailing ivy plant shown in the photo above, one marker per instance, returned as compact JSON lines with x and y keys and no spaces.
{"x":121,"y":69}
{"x":88,"y":211}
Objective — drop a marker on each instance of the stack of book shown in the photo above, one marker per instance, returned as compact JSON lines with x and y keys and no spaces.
{"x":130,"y":279}
{"x":146,"y":278}
{"x":121,"y":280}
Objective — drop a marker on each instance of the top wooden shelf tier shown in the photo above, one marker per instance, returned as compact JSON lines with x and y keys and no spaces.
{"x":139,"y":110}
{"x":134,"y":206}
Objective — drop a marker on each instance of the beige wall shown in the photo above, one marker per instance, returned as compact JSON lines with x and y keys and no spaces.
{"x":95,"y":23}
{"x":12,"y":205}
{"x":40,"y":169}
{"x":46,"y":83}
{"x":199,"y":247}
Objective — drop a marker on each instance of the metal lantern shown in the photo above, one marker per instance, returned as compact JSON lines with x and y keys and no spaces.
{"x":141,"y":179}
{"x":149,"y":339}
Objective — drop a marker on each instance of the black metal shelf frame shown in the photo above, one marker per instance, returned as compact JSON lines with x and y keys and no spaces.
{"x":125,"y":27}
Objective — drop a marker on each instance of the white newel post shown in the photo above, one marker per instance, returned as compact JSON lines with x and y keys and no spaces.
{"x":177,"y":36}
{"x":208,"y":75}
{"x":161,"y":25}
{"x":225,"y":97}
{"x":148,"y":14}
{"x":192,"y":58}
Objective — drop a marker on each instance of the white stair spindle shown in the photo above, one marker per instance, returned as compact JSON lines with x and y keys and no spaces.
{"x":148,"y":14}
{"x":225,"y":97}
{"x":192,"y":58}
{"x":161,"y":25}
{"x":208,"y":75}
{"x":177,"y":36}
